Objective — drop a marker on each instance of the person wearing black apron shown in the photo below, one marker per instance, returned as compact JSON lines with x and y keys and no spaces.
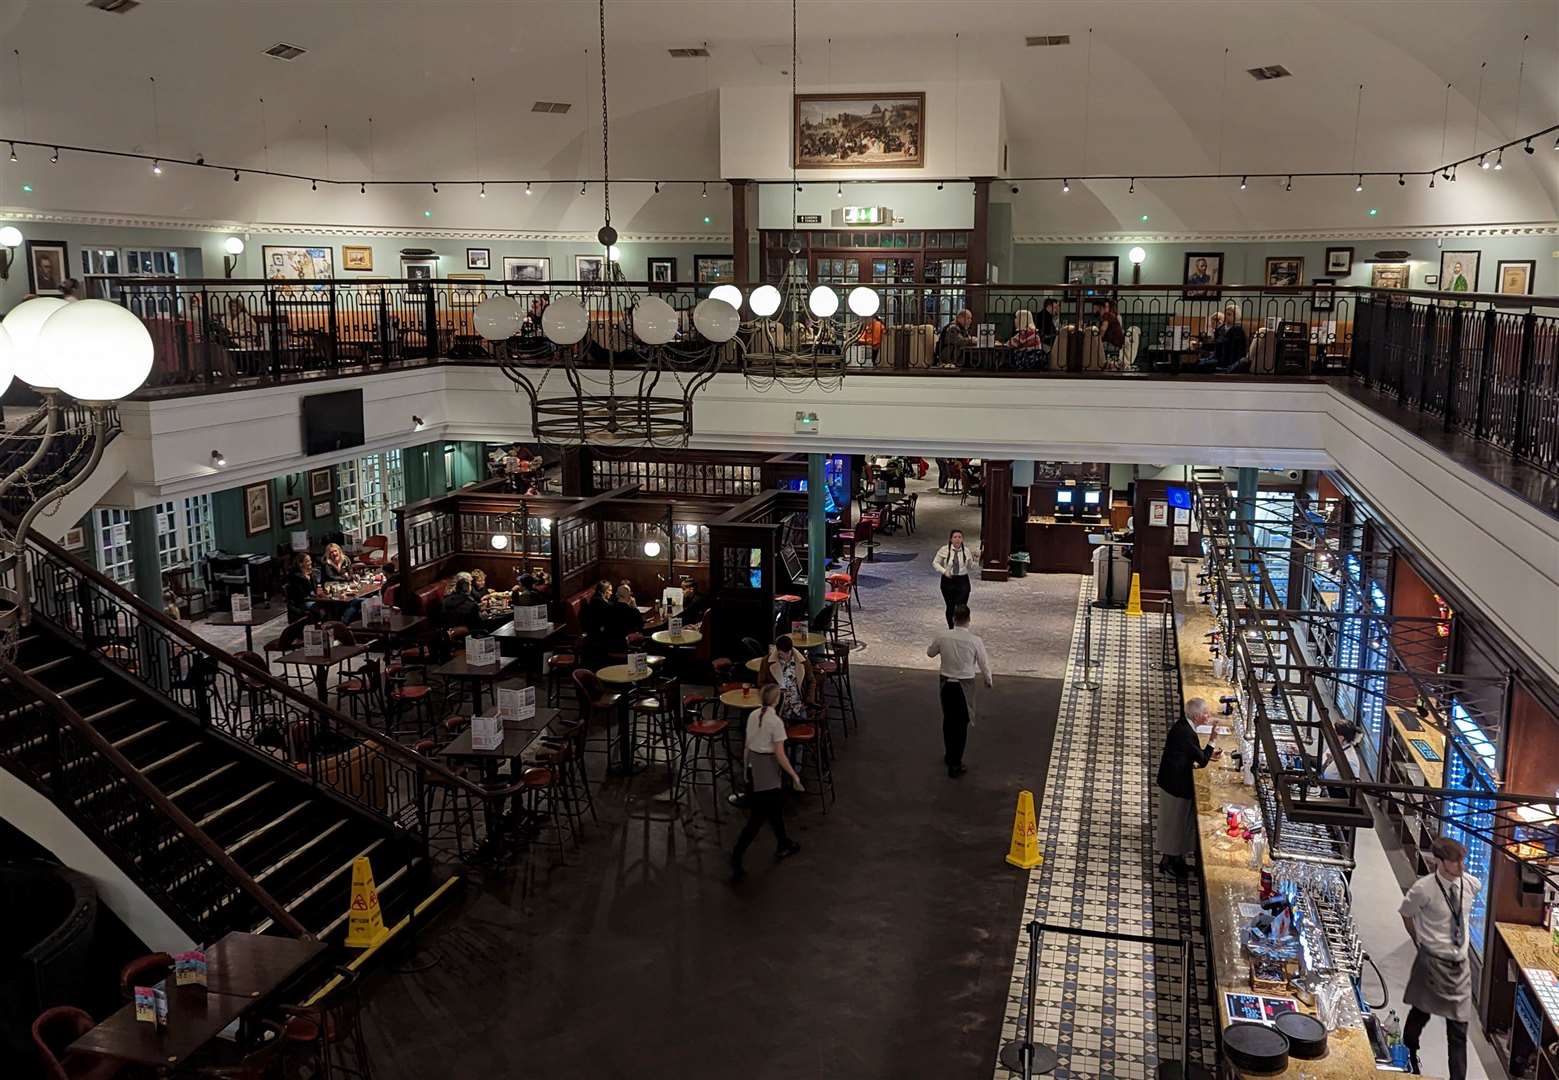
{"x":766,"y":764}
{"x":1436,"y":912}
{"x":954,"y":561}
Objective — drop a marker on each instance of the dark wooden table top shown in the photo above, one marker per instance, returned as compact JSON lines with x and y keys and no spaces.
{"x":394,"y":622}
{"x":337,"y":654}
{"x":509,"y":630}
{"x":517,"y":737}
{"x":254,"y":965}
{"x":459,"y":669}
{"x":195,"y":1016}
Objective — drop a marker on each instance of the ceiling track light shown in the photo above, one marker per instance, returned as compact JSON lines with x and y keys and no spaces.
{"x":583,"y":184}
{"x":1483,"y":161}
{"x":1499,"y":161}
{"x":939,"y":185}
{"x":657,"y":187}
{"x":1556,"y":142}
{"x":362,"y":188}
{"x":1401,"y":180}
{"x":1244,"y":181}
{"x":313,"y":185}
{"x":1358,"y":185}
{"x":55,"y":160}
{"x":1529,"y":148}
{"x":1431,"y":181}
{"x":435,"y":188}
{"x":527,"y":187}
{"x":798,"y":187}
{"x":13,"y":151}
{"x":704,"y":192}
{"x":1066,"y":185}
{"x":156,"y":165}
{"x":235,"y":176}
{"x":1290,"y":185}
{"x":482,"y":194}
{"x":218,"y":458}
{"x":1132,"y":190}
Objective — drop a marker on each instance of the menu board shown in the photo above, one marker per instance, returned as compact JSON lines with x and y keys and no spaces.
{"x":481,"y":651}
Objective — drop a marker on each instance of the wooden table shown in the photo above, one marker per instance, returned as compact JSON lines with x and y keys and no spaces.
{"x":392,"y":625}
{"x":253,"y":965}
{"x":225,"y":618}
{"x":746,"y":698}
{"x":808,"y":640}
{"x":476,"y":676}
{"x":511,"y":639}
{"x":338,"y":604}
{"x":683,"y":637}
{"x":619,"y":675}
{"x":336,"y":654}
{"x":518,"y":737}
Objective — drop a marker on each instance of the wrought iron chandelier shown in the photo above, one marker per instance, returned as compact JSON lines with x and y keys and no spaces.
{"x":628,"y":365}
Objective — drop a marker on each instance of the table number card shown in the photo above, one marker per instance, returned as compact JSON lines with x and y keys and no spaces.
{"x":530,"y":617}
{"x":638,"y":663}
{"x":481,"y":651}
{"x":486,"y":732}
{"x":313,"y":641}
{"x":373,"y":610}
{"x":674,"y":626}
{"x":243,"y":612}
{"x":798,"y":627}
{"x":517,"y":704}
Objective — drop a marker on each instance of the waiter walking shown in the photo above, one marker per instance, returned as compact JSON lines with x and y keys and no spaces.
{"x":954,"y":561}
{"x":963,"y":660}
{"x":1436,"y":911}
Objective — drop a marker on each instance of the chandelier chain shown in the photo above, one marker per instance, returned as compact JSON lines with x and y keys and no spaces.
{"x":606,"y":158}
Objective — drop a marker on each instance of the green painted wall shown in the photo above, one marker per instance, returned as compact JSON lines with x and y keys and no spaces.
{"x":227,"y":510}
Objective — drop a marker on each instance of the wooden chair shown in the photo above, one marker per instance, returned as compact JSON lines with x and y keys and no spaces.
{"x":53,"y":1031}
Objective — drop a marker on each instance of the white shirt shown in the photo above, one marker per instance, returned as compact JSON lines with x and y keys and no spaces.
{"x":764,"y":729}
{"x":955,"y":563}
{"x":1430,"y":902}
{"x":963,"y":654}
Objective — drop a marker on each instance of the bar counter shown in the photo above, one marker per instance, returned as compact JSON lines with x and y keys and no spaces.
{"x":1228,"y":879}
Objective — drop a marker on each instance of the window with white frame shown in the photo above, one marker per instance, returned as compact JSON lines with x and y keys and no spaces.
{"x":184,"y":531}
{"x":367,"y":489}
{"x":111,"y":528}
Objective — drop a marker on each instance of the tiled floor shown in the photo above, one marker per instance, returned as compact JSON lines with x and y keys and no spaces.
{"x":1109,"y":1008}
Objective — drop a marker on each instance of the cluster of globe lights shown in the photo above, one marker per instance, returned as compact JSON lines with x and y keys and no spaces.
{"x":822,"y":301}
{"x":566,"y":322}
{"x":95,"y":351}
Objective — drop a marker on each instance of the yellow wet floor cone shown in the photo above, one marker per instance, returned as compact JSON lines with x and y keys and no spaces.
{"x":1134,"y":601}
{"x":1024,"y":852}
{"x":364,"y":922}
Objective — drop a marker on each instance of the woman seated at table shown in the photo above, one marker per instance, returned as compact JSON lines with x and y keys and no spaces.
{"x":787,"y":667}
{"x":460,"y":607}
{"x":335,"y":566}
{"x":479,"y":587}
{"x":299,"y":587}
{"x":1027,"y":345}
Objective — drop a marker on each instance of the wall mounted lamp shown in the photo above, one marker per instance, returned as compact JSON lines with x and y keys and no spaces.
{"x":234,"y":246}
{"x":10,"y":240}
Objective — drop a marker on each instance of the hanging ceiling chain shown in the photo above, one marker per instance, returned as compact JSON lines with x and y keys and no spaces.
{"x":606,"y":142}
{"x":794,"y":150}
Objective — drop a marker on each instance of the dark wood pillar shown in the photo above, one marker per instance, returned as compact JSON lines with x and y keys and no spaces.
{"x":574,"y":473}
{"x":996,"y":521}
{"x":980,"y":248}
{"x":739,"y":244}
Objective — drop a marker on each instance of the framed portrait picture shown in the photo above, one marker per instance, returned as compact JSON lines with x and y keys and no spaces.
{"x":257,"y":509}
{"x":714,"y":269}
{"x":1204,"y":272}
{"x":1285,"y":271}
{"x":589,"y":268}
{"x":48,"y":265}
{"x":1323,"y":294}
{"x":1158,"y":512}
{"x":75,"y":539}
{"x":860,"y":131}
{"x":1339,"y":260}
{"x":357,"y":257}
{"x":321,"y":482}
{"x":479,"y":259}
{"x":663,"y":271}
{"x":418,"y":270}
{"x":527,"y":270}
{"x":311,"y":265}
{"x":1095,"y":273}
{"x":1388,"y":275}
{"x":322,"y":510}
{"x":291,"y":512}
{"x":1459,"y":271}
{"x":1513,"y":277}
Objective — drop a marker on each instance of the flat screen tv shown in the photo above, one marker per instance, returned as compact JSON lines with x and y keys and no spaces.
{"x":1064,"y":498}
{"x":332,"y":422}
{"x":1091,"y":498}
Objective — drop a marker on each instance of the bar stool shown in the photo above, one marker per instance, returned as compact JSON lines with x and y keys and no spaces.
{"x":658,"y":709}
{"x":813,"y":736}
{"x":361,"y":689}
{"x":597,"y":705}
{"x":848,"y":580}
{"x":413,"y":697}
{"x":841,"y":602}
{"x":560,"y":667}
{"x":838,"y":696}
{"x":439,"y":803}
{"x":703,"y":731}
{"x":562,"y":749}
{"x":331,"y":1031}
{"x":546,"y":795}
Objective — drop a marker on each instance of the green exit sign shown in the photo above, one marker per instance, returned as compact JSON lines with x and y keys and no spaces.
{"x":867,"y":215}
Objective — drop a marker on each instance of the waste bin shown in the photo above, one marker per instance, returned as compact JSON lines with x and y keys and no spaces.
{"x":1018,"y":564}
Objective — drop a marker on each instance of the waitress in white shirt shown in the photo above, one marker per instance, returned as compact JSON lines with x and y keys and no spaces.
{"x":954,"y":561}
{"x":766,"y":764}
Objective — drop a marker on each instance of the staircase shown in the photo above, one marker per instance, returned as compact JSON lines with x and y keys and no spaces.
{"x":232,"y":800}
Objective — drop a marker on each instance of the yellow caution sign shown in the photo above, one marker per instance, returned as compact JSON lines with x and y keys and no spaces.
{"x":1134,"y":601}
{"x":364,"y":923}
{"x":1024,"y":853}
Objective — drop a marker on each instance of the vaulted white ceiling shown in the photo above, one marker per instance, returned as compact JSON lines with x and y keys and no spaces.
{"x":1149,"y":101}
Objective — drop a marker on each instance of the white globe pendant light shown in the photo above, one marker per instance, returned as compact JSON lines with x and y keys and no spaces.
{"x":102,"y":351}
{"x":654,"y":321}
{"x":823,"y":302}
{"x":764,"y":301}
{"x":7,"y":360}
{"x":23,"y":323}
{"x":565,"y":322}
{"x":729,"y":293}
{"x":716,"y":320}
{"x":498,"y":318}
{"x":864,"y":302}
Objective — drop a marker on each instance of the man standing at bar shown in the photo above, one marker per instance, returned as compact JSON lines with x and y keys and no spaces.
{"x":1436,"y":911}
{"x":963,"y":659}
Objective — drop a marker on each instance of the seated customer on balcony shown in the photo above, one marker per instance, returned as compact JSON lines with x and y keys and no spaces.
{"x":460,"y":606}
{"x":955,"y":338}
{"x":479,"y":587}
{"x":1048,"y":324}
{"x":300,"y":586}
{"x":1229,"y":345}
{"x":1111,"y":332}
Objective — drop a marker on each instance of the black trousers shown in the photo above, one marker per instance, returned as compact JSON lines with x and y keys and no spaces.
{"x":1455,"y":1040}
{"x":955,"y":591}
{"x":955,"y":722}
{"x":941,"y":473}
{"x":762,"y":806}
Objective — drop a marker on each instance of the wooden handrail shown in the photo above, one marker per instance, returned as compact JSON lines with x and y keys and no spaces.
{"x":251,"y":888}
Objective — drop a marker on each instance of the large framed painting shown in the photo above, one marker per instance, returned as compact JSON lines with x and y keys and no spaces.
{"x":860,"y":131}
{"x":1097,"y":274}
{"x":663,"y":273}
{"x":1513,"y":277}
{"x":418,"y":270}
{"x":1284,"y":271}
{"x":312,"y":265}
{"x":257,"y":509}
{"x":1459,"y":271}
{"x":1203,"y":274}
{"x":590,"y":268}
{"x":527,"y":270}
{"x":1388,"y":275}
{"x":48,"y":266}
{"x":714,"y":269}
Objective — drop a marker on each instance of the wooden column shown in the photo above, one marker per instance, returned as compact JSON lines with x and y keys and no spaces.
{"x":979,"y":251}
{"x":996,"y":521}
{"x":739,"y":245}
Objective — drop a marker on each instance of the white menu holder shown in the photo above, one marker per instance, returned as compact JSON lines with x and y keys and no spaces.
{"x":638,"y":663}
{"x":314,"y":641}
{"x":672,"y":599}
{"x":517,"y":704}
{"x":373,"y":610}
{"x":530,"y":617}
{"x":243,"y":610}
{"x":481,"y":651}
{"x":674,"y":626}
{"x":798,"y":628}
{"x":486,"y":732}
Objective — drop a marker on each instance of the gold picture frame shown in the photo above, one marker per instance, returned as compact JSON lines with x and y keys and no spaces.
{"x":357,"y":257}
{"x":875,"y":130}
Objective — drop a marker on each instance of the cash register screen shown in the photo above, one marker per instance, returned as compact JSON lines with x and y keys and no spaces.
{"x":1064,"y":498}
{"x":1091,"y":498}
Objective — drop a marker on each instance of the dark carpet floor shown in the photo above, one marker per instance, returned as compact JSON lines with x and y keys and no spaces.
{"x":884,"y":949}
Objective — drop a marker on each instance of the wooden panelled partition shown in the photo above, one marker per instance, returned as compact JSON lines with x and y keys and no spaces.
{"x":743,"y":570}
{"x":730,"y":475}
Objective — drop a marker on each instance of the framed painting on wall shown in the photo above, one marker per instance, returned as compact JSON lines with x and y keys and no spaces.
{"x":859,"y":131}
{"x":257,"y":509}
{"x":1323,"y":294}
{"x":714,"y":269}
{"x":479,"y":259}
{"x":289,"y":263}
{"x":1339,"y":260}
{"x":1514,"y":277}
{"x":1284,"y":271}
{"x":48,"y":266}
{"x":663,"y":272}
{"x":419,"y":270}
{"x":75,"y":539}
{"x":1459,"y":271}
{"x":589,"y":268}
{"x":1096,"y":273}
{"x":527,"y":270}
{"x":1205,"y":269}
{"x":291,"y":512}
{"x":357,"y":257}
{"x":321,"y":482}
{"x":1388,"y":275}
{"x":321,"y":510}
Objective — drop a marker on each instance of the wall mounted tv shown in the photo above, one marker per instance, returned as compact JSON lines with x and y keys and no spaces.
{"x":332,"y":422}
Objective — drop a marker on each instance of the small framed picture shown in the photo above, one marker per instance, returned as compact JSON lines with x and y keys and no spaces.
{"x":419,"y":270}
{"x":257,"y":509}
{"x":479,"y":259}
{"x":714,"y":269}
{"x":291,"y":512}
{"x":663,"y":272}
{"x":321,"y":510}
{"x":1158,"y":512}
{"x":1513,"y":277}
{"x":1323,"y":294}
{"x":321,"y":482}
{"x":357,"y":257}
{"x":75,"y":539}
{"x":48,"y":266}
{"x":589,"y":268}
{"x":1388,"y":275}
{"x":527,"y":270}
{"x":1284,"y":271}
{"x":1431,"y":279}
{"x":1205,"y":269}
{"x":1339,"y":260}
